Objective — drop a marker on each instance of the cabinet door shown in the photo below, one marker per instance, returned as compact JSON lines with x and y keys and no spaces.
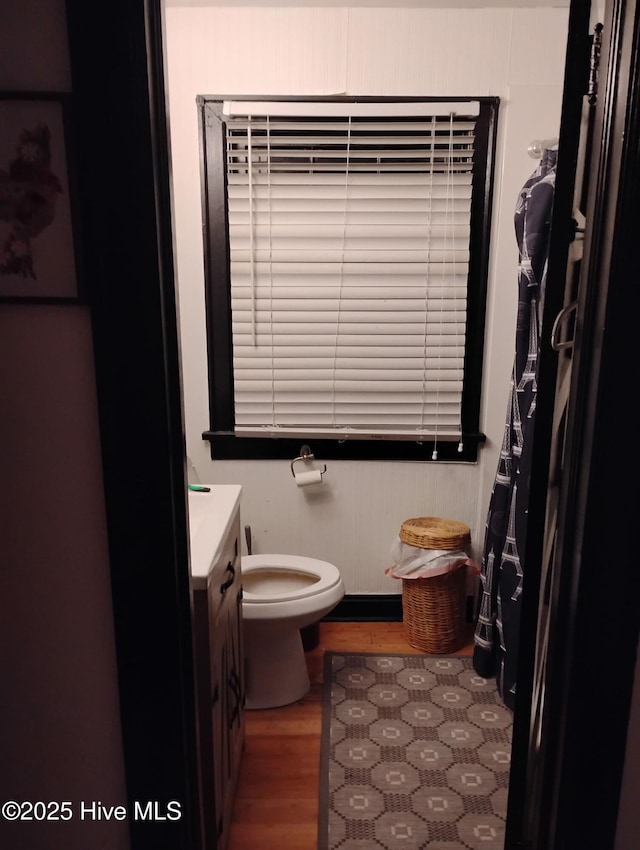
{"x":236,"y":685}
{"x":227,"y":680}
{"x":208,"y":696}
{"x":218,"y":726}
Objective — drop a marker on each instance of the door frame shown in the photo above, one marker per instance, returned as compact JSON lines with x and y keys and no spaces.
{"x":594,"y":616}
{"x":123,"y":166}
{"x":122,"y":163}
{"x":594,"y":666}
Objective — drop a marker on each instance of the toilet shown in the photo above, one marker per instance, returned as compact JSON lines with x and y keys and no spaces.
{"x":282,"y":594}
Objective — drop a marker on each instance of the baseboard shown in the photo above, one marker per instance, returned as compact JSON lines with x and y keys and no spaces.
{"x":374,"y":607}
{"x":384,"y":607}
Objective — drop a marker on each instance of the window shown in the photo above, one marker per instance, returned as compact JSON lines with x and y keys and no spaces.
{"x":346,"y":247}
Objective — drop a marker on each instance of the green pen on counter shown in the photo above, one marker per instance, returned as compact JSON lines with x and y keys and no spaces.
{"x":199,"y":488}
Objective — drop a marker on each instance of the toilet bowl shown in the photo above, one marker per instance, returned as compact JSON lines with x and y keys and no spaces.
{"x":282,"y":594}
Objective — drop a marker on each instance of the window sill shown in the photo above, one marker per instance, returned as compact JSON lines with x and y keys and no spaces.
{"x":226,"y":446}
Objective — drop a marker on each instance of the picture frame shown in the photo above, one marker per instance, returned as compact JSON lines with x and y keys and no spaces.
{"x":38,"y":239}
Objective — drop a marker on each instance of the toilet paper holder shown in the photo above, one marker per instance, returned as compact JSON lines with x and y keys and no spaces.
{"x":306,"y":455}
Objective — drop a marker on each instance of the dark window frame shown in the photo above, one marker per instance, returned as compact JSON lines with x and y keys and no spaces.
{"x":225,"y":445}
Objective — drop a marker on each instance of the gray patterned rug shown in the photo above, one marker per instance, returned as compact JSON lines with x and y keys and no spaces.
{"x":415,"y":754}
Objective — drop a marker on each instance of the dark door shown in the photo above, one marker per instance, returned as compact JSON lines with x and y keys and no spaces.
{"x":580,"y":618}
{"x":121,"y":166}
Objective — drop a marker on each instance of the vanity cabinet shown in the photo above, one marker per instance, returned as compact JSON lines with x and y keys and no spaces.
{"x":216,"y":576}
{"x":226,"y":679}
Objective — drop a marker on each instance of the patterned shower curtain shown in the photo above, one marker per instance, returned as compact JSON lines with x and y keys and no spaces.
{"x":502,"y":573}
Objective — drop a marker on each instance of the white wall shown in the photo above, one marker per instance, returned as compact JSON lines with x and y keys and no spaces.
{"x":60,"y":734}
{"x":517,"y":54}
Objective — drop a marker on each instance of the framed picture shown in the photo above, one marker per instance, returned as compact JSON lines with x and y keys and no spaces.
{"x":37,"y":247}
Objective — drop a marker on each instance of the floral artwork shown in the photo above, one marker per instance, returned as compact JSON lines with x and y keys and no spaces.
{"x":28,"y":191}
{"x":37,"y":257}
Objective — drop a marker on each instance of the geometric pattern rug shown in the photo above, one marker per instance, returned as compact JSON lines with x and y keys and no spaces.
{"x":415,"y":754}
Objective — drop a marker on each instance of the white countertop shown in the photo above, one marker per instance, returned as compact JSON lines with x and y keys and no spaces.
{"x":210,"y":516}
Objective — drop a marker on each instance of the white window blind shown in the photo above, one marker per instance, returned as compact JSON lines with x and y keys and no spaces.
{"x":349,"y":228}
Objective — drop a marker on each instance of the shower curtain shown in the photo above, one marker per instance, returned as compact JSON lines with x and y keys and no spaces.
{"x":502,"y":572}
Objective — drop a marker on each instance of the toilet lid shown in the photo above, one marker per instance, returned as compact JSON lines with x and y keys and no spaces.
{"x":275,"y":569}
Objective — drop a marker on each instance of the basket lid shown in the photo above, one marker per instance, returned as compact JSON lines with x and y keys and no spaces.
{"x":429,"y":532}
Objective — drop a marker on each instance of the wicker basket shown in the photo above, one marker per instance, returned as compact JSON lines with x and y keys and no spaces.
{"x":430,"y":532}
{"x":434,"y":607}
{"x":433,"y":611}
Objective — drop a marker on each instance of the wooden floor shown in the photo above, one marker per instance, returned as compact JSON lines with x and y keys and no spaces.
{"x":276,"y":804}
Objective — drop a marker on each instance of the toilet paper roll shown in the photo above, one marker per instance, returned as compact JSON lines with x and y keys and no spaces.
{"x":305,"y":478}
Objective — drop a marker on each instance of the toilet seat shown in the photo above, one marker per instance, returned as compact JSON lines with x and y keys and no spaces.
{"x":328,"y":576}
